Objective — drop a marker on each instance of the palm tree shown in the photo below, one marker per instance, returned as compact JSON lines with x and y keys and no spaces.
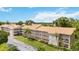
{"x":27,"y":32}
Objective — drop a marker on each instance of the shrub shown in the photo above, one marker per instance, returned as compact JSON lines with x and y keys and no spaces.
{"x":4,"y":47}
{"x":12,"y":48}
{"x":41,"y":49}
{"x":31,"y":39}
{"x":43,"y":41}
{"x":7,"y":47}
{"x":3,"y":36}
{"x":75,"y":46}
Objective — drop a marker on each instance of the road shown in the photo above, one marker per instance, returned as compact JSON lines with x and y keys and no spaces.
{"x":20,"y":45}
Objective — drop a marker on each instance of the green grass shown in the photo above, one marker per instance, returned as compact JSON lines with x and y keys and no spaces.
{"x":36,"y":44}
{"x":6,"y":47}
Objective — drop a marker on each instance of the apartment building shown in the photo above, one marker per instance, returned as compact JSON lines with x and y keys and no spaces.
{"x":58,"y":36}
{"x":12,"y":29}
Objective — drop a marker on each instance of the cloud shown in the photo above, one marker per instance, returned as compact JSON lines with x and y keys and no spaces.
{"x":5,"y":9}
{"x":61,"y":9}
{"x":30,"y":7}
{"x":51,"y":16}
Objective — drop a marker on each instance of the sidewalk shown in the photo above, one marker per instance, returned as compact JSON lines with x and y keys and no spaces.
{"x":20,"y":45}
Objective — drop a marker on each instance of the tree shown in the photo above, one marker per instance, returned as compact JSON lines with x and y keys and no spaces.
{"x":1,"y":23}
{"x":7,"y":22}
{"x":63,"y":22}
{"x":27,"y":32}
{"x":29,"y":22}
{"x":20,"y":23}
{"x":75,"y":46}
{"x":3,"y":36}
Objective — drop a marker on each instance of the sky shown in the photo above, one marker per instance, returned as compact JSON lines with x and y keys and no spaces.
{"x":37,"y":14}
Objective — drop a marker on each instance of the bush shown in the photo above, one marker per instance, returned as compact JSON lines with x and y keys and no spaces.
{"x":41,"y":49}
{"x":65,"y":49}
{"x":75,"y":46}
{"x":31,"y":39}
{"x":12,"y":48}
{"x":6,"y":47}
{"x":3,"y":36}
{"x":43,"y":42}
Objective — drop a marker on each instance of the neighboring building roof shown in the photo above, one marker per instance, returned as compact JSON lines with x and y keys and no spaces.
{"x":33,"y":26}
{"x":11,"y":26}
{"x":57,"y":30}
{"x":5,"y":25}
{"x":14,"y":26}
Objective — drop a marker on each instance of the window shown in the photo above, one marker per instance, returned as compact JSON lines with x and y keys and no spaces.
{"x":65,"y":45}
{"x":66,"y":40}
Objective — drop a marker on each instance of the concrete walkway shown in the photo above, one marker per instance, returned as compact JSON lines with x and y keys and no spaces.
{"x":20,"y":45}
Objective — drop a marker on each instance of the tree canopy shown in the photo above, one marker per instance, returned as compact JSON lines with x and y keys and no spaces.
{"x":28,"y":31}
{"x":1,"y":23}
{"x":3,"y":36}
{"x":7,"y":22}
{"x":20,"y":23}
{"x":29,"y":22}
{"x":63,"y":22}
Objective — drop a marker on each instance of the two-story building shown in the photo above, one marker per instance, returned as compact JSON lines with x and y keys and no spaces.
{"x":58,"y":36}
{"x":12,"y":29}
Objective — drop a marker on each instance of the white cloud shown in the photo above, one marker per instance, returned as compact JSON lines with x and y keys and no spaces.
{"x":5,"y":9}
{"x":61,"y":9}
{"x":30,"y":7}
{"x":50,"y":16}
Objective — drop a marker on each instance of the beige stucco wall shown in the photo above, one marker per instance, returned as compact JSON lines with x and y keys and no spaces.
{"x":53,"y":40}
{"x":39,"y":35}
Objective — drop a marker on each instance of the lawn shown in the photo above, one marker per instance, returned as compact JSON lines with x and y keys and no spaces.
{"x":36,"y":44}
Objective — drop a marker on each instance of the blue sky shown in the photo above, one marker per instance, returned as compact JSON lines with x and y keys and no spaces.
{"x":37,"y":14}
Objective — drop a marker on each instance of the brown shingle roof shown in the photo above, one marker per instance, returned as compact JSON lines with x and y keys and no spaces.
{"x":11,"y":26}
{"x":33,"y":26}
{"x":58,"y":30}
{"x":52,"y":30}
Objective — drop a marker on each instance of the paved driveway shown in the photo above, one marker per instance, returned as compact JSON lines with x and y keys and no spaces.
{"x":20,"y":45}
